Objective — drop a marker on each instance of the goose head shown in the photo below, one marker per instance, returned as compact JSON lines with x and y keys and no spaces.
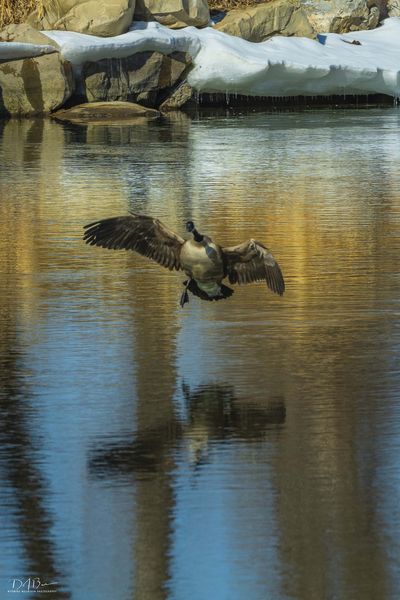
{"x":192,"y":229}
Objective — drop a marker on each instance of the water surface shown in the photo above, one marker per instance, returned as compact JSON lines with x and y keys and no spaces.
{"x":229,"y":450}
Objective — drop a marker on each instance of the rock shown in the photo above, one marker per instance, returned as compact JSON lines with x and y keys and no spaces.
{"x":173,"y":13}
{"x":141,"y":77}
{"x":304,"y":18}
{"x":96,"y":17}
{"x":34,"y":86}
{"x":179,"y":97}
{"x":115,"y":113}
{"x":393,"y":8}
{"x":258,"y":23}
{"x":342,"y":16}
{"x":23,"y":32}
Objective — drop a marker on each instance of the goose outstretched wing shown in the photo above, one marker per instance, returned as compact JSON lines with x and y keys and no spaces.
{"x":252,"y":261}
{"x":148,"y":236}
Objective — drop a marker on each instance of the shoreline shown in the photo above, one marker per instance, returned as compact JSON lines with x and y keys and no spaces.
{"x":213,"y":104}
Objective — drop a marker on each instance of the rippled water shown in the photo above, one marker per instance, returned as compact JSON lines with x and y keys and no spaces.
{"x":230,"y":450}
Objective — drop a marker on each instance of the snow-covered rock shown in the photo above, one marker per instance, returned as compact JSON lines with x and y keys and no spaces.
{"x":280,"y":66}
{"x":143,"y":37}
{"x":293,"y":66}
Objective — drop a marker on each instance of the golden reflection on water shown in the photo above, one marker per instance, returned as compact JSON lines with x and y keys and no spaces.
{"x":325,"y":353}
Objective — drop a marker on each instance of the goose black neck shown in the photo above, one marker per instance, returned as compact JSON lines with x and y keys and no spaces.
{"x":198,"y":237}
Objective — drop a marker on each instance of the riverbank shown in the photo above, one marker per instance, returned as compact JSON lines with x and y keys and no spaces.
{"x":164,"y":68}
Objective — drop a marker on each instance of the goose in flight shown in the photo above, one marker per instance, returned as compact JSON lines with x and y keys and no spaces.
{"x":205,"y":263}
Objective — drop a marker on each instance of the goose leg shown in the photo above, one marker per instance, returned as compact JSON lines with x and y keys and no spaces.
{"x":185,"y":295}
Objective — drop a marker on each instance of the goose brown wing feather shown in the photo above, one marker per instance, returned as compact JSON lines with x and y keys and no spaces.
{"x":252,"y":261}
{"x":148,"y":236}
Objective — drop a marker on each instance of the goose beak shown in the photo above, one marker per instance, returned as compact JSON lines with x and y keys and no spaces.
{"x":189,"y":226}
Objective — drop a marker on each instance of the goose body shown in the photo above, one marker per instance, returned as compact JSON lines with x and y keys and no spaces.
{"x":204,"y":262}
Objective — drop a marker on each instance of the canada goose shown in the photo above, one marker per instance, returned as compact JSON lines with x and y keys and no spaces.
{"x":205,"y":263}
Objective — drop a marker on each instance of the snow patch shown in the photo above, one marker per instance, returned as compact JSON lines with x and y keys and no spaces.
{"x":15,"y":50}
{"x":142,"y":37}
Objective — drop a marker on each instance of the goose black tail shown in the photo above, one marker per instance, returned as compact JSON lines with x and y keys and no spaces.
{"x":196,"y":291}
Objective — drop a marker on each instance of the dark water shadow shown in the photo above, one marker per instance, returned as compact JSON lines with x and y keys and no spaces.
{"x":21,"y":474}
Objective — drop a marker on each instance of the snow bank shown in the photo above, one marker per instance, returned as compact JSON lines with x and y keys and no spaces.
{"x":281,"y":66}
{"x":289,"y":66}
{"x":14,"y":50}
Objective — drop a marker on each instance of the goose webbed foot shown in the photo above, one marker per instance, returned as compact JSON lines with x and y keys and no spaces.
{"x":184,"y":298}
{"x":185,"y":295}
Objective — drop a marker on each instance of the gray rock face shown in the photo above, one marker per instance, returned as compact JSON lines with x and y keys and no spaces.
{"x":96,"y":17}
{"x":142,"y":77}
{"x":342,"y":16}
{"x":173,"y":13}
{"x":34,"y":86}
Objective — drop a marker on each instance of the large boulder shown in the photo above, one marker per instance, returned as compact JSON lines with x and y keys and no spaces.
{"x":142,"y":77}
{"x":342,"y":16}
{"x":34,"y":86}
{"x":96,"y":17}
{"x":260,"y":22}
{"x":173,"y":13}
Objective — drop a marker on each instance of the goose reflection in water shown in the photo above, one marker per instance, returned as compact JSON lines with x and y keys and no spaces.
{"x":213,"y":414}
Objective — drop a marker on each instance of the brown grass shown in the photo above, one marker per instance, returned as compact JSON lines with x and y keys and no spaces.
{"x":16,"y":11}
{"x":229,"y":4}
